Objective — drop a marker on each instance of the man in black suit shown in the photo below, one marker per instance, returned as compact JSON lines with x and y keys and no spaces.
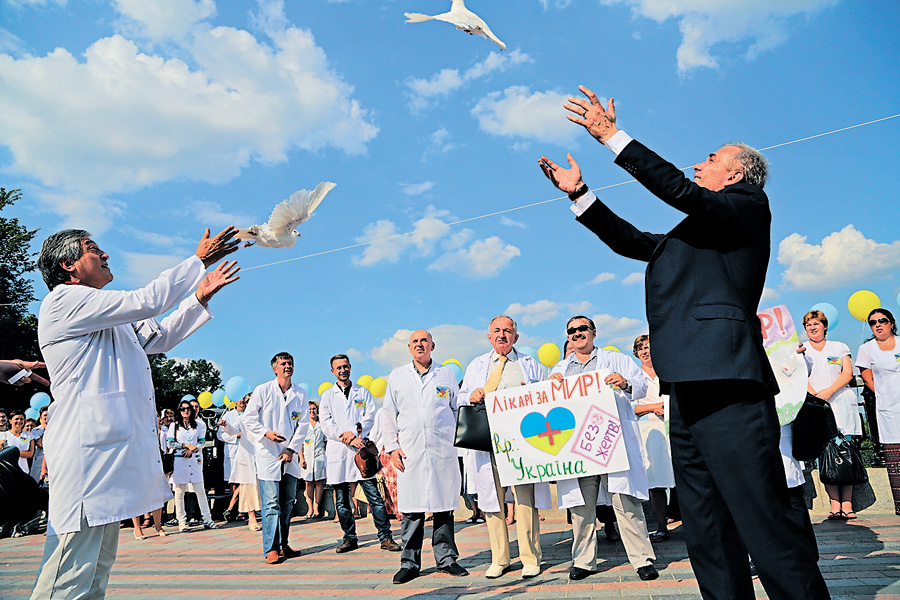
{"x":704,"y":280}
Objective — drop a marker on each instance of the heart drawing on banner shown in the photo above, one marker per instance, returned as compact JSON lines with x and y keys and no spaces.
{"x":548,"y":434}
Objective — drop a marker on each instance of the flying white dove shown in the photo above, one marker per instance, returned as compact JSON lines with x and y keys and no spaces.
{"x":280,"y":231}
{"x":463,"y":18}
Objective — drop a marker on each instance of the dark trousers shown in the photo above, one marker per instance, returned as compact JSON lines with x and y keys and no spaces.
{"x":733,"y":494}
{"x":442,"y":540}
{"x":376,"y":507}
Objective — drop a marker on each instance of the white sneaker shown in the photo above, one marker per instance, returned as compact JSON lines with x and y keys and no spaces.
{"x":529,"y":571}
{"x":495,"y":571}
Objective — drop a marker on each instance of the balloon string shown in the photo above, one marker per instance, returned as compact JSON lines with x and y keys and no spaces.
{"x":531,"y":205}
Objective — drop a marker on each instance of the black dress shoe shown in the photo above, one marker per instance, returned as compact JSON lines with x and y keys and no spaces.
{"x":577,"y":573}
{"x":347,"y":546}
{"x":647,"y":572}
{"x":405,"y":575}
{"x":454,"y":569}
{"x":289,"y":552}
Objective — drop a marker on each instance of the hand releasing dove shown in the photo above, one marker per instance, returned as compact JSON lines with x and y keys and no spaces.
{"x":463,"y":18}
{"x":280,"y":231}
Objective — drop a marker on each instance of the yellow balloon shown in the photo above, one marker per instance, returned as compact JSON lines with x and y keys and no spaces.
{"x":549,"y":354}
{"x":229,"y":404}
{"x":325,"y":385}
{"x":861,"y":303}
{"x":365,"y":381}
{"x":453,"y":360}
{"x":205,"y":399}
{"x":378,"y":387}
{"x":611,"y":348}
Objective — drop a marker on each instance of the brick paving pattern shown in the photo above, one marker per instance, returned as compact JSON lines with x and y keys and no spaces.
{"x":860,"y":560}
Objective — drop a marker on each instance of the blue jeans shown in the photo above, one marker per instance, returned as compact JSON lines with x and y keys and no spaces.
{"x":376,"y":506}
{"x":277,"y":505}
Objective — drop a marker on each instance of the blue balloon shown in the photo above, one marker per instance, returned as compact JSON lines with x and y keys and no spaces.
{"x":236,"y":388}
{"x":188,"y":398}
{"x":457,"y":370}
{"x":32,"y":413}
{"x":528,"y":350}
{"x":305,"y":387}
{"x":40,"y":400}
{"x":218,"y":398}
{"x":830,"y":312}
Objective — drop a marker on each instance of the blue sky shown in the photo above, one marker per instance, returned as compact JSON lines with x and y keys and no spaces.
{"x":146,"y":120}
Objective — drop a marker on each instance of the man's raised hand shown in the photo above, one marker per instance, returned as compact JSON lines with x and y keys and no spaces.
{"x":218,"y":278}
{"x":212,"y":249}
{"x":566,"y":180}
{"x":591,"y":115}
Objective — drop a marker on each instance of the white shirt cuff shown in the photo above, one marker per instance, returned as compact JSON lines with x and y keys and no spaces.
{"x":583,"y":203}
{"x":618,"y":142}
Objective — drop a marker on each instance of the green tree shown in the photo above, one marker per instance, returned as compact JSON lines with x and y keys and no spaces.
{"x":18,"y":327}
{"x":173,"y":380}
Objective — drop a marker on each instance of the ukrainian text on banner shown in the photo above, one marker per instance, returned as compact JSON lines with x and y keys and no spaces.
{"x":780,"y":341}
{"x":554,"y":430}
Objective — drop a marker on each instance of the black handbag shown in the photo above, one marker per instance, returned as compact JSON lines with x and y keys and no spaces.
{"x":841,"y":464}
{"x":168,"y":463}
{"x":472,"y":429}
{"x":812,"y":428}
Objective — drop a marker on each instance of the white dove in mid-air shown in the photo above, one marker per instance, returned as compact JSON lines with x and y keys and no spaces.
{"x":463,"y":18}
{"x":280,"y":231}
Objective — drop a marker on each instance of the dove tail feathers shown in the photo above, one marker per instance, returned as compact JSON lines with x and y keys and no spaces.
{"x":417,"y":17}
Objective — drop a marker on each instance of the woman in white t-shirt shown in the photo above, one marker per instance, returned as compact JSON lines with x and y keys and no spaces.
{"x":17,"y":437}
{"x":879,"y":364}
{"x":831,"y":369}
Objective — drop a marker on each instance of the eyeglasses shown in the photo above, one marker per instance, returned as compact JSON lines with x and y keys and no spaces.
{"x":582,"y":328}
{"x":880,"y":320}
{"x":185,"y":408}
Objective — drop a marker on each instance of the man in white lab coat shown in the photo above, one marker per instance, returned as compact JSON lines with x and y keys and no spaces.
{"x":277,"y":416}
{"x":419,"y":427}
{"x":347,"y":413}
{"x":626,"y":488}
{"x":101,"y":444}
{"x":503,"y":368}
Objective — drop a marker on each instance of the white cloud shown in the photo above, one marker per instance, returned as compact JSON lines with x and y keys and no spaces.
{"x":768,"y":294}
{"x":545,"y":4}
{"x":483,"y":259}
{"x":457,"y":239}
{"x":141,"y":269}
{"x":213,"y":215}
{"x":130,"y":119}
{"x":843,"y":257}
{"x":10,"y":43}
{"x":603,"y":277}
{"x":388,"y":248}
{"x":165,"y":19}
{"x":618,"y":331}
{"x":758,"y":24}
{"x":451,"y":341}
{"x":20,"y":3}
{"x":414,"y":189}
{"x":439,"y":143}
{"x":519,"y":112}
{"x":633,"y":278}
{"x":545,"y":310}
{"x":422,"y":93}
{"x":156,"y":239}
{"x":504,"y":220}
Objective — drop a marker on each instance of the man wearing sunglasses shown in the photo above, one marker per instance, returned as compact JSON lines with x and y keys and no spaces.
{"x":624,"y":490}
{"x":100,"y":446}
{"x":704,"y":280}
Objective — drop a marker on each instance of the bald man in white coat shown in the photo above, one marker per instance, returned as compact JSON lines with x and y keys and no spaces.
{"x":503,"y":368}
{"x":626,"y":489}
{"x":419,"y":425}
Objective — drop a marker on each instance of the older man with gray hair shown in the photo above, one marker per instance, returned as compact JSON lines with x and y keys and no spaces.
{"x":101,"y":443}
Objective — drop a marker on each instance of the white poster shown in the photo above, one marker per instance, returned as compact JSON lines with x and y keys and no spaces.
{"x":554,"y":430}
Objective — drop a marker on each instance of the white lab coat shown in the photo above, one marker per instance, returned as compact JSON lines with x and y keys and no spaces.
{"x":476,"y":376}
{"x":338,"y":414}
{"x":420,"y":417}
{"x":187,"y":470}
{"x":632,"y":482}
{"x":101,"y":443}
{"x":285,"y":413}
{"x":314,"y":453}
{"x":885,"y":365}
{"x":229,"y":445}
{"x":243,"y":463}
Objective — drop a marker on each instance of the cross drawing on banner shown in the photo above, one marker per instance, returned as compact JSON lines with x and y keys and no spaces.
{"x":549,"y":433}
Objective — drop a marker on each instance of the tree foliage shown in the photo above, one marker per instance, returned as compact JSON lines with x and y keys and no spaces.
{"x":18,"y":327}
{"x":173,"y":379}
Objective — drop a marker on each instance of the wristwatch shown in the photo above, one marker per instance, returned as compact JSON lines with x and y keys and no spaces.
{"x":581,"y":191}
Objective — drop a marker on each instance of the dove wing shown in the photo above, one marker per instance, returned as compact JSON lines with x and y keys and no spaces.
{"x":290,"y":213}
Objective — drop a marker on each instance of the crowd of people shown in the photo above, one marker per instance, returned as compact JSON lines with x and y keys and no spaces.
{"x":698,"y":417}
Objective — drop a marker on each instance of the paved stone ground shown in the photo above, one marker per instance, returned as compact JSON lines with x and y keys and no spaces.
{"x":860,"y":560}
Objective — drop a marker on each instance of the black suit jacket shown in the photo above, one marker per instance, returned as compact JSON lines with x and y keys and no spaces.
{"x":704,"y":278}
